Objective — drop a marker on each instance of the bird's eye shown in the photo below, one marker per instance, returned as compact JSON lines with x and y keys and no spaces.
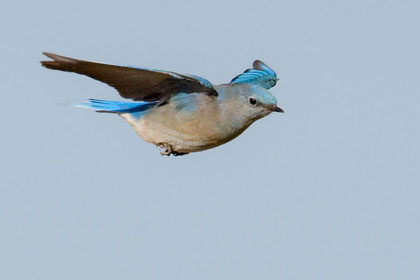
{"x":252,"y":101}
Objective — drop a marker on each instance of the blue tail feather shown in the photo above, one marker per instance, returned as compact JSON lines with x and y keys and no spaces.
{"x":114,"y":106}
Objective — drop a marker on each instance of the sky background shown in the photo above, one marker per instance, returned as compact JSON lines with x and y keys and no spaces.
{"x":328,"y":190}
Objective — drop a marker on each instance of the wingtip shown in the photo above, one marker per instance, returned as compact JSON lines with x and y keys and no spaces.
{"x":48,"y":54}
{"x":56,"y":57}
{"x":258,"y":63}
{"x":44,"y":62}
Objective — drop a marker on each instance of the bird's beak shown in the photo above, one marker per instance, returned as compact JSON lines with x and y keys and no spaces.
{"x":277,"y":109}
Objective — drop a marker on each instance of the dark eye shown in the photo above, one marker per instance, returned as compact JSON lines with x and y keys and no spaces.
{"x":252,"y":101}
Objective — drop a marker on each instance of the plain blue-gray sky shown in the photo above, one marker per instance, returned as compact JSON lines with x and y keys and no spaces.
{"x":328,"y":190}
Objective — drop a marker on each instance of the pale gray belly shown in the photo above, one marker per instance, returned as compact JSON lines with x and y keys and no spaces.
{"x":184,"y":133}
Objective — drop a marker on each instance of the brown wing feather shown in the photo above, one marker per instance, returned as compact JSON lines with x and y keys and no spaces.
{"x":133,"y":83}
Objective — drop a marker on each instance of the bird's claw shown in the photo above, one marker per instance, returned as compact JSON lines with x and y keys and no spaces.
{"x":167,"y":150}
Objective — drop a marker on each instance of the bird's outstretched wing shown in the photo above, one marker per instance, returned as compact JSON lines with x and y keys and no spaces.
{"x":139,"y":84}
{"x":260,"y":74}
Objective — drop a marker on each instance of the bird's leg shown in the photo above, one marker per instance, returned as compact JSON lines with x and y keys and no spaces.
{"x":165,"y":149}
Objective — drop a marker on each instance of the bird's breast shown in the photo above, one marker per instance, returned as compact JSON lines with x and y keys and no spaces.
{"x":190,"y":127}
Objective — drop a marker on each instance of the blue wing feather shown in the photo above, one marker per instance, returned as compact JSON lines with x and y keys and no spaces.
{"x":260,"y":74}
{"x":114,"y":106}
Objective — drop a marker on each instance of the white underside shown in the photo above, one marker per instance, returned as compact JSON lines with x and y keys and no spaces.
{"x":157,"y":133}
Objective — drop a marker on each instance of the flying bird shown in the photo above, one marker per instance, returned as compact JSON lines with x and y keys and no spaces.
{"x":179,"y":113}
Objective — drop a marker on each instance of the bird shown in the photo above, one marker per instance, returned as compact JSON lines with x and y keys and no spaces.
{"x":178,"y":113}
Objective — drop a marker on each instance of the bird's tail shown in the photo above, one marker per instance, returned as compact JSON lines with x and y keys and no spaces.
{"x":118,"y":107}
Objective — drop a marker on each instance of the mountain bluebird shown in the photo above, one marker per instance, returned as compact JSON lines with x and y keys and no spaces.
{"x":179,"y":113}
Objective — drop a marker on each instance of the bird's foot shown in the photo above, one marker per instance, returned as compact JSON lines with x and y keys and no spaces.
{"x":167,"y":150}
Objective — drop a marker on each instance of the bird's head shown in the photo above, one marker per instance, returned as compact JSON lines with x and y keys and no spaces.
{"x":259,"y":102}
